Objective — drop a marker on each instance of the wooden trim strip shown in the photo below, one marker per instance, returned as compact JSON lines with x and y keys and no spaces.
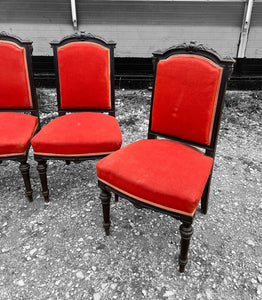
{"x":149,"y":202}
{"x":74,"y":154}
{"x":192,"y":56}
{"x":12,"y":154}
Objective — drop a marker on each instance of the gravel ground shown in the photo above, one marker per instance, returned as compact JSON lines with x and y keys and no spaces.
{"x":59,"y":250}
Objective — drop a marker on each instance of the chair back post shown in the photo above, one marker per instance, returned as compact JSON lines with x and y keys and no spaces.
{"x":58,"y":96}
{"x":227,"y":67}
{"x":112,"y":46}
{"x":155,"y":60}
{"x":27,"y":45}
{"x":84,"y":37}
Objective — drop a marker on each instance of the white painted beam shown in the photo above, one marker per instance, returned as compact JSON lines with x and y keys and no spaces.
{"x":74,"y":16}
{"x":245,"y":29}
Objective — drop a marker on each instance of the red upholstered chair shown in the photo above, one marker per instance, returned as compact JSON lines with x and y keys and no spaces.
{"x":17,"y":95}
{"x":84,"y":66}
{"x":171,"y":175}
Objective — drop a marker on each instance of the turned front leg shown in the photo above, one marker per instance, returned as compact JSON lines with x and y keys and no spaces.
{"x":24,"y":169}
{"x":105,"y":200}
{"x":186,"y":231}
{"x":41,"y":168}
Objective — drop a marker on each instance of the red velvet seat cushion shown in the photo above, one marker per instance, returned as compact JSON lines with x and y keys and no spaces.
{"x":16,"y":131}
{"x":84,"y":75}
{"x":163,"y":173}
{"x":79,"y":134}
{"x":185,"y":97}
{"x":14,"y":82}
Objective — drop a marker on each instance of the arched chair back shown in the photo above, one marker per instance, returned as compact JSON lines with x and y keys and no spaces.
{"x":84,"y":66}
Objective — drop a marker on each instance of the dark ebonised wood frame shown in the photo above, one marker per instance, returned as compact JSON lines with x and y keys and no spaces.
{"x":186,"y":229}
{"x":77,"y":37}
{"x":24,"y":166}
{"x":227,"y":65}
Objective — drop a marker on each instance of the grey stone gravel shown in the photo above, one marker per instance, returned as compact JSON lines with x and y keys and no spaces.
{"x":60,"y":251}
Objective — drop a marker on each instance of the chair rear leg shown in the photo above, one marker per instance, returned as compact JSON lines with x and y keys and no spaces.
{"x":205,"y":196}
{"x":105,"y":200}
{"x":24,"y":169}
{"x":186,"y":231}
{"x":116,"y":198}
{"x":41,"y":168}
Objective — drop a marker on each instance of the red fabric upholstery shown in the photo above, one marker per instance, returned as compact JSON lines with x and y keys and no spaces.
{"x":80,"y":134}
{"x":16,"y":131}
{"x":185,"y":97}
{"x":14,"y":82}
{"x":84,"y":71}
{"x":163,"y":173}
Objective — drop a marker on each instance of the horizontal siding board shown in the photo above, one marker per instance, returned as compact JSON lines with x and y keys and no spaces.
{"x":224,"y":14}
{"x":138,"y":41}
{"x":40,"y":34}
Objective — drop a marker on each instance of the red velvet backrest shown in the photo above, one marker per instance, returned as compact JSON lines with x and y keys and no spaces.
{"x":84,"y":75}
{"x":14,"y":81}
{"x":185,"y":97}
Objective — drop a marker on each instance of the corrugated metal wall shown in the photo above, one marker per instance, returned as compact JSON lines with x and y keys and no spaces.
{"x":138,"y":27}
{"x":254,"y":44}
{"x":142,"y":27}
